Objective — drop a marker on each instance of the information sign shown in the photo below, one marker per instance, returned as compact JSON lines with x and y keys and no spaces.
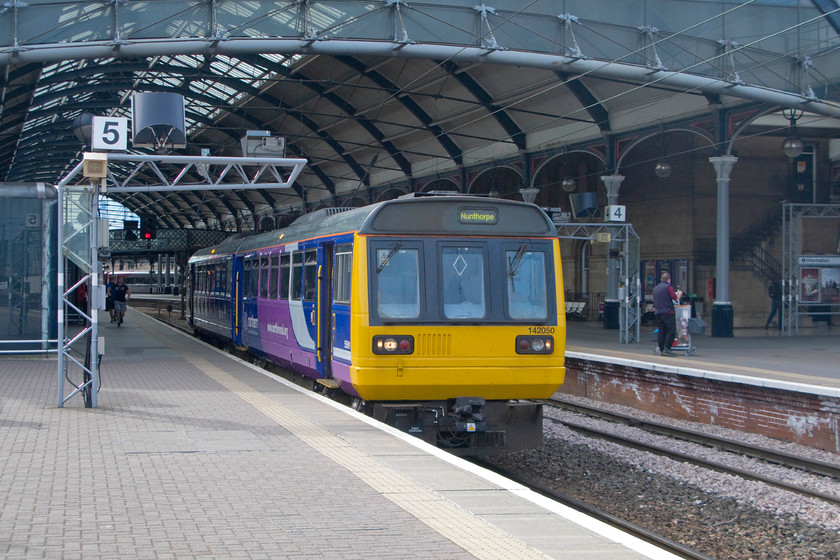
{"x":109,"y":133}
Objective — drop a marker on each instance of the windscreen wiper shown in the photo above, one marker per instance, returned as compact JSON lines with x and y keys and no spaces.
{"x":517,"y":260}
{"x":387,"y":258}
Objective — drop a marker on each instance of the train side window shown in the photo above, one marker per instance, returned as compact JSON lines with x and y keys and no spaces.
{"x":264,"y":273}
{"x":285,"y":270}
{"x":228,"y":276}
{"x":272,"y":278}
{"x":397,"y":276}
{"x":223,"y":273}
{"x":343,"y":267}
{"x":246,"y":278}
{"x":526,"y":287}
{"x":297,"y":275}
{"x":255,"y":277}
{"x":310,"y":275}
{"x":464,"y":289}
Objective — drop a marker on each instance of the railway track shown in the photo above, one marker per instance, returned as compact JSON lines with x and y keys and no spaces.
{"x":784,"y":459}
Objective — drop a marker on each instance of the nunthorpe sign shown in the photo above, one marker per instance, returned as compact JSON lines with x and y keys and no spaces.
{"x":488,"y":216}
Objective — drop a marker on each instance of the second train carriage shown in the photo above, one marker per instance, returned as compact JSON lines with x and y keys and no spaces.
{"x":442,"y":315}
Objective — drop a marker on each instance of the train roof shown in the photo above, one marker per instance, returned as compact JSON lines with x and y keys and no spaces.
{"x":409,"y":215}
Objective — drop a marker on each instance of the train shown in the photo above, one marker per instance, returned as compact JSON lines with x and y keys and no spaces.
{"x":442,"y":316}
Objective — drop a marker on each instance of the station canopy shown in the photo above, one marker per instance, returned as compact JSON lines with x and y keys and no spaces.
{"x":393,"y":93}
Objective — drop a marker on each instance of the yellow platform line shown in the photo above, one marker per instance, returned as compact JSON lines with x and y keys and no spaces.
{"x":453,"y":522}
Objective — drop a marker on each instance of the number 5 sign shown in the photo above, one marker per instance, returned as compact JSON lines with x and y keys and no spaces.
{"x":109,"y":133}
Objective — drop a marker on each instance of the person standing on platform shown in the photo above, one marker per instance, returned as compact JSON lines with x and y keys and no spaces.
{"x":109,"y":299}
{"x":774,"y":290}
{"x":120,"y":293}
{"x":664,"y":297}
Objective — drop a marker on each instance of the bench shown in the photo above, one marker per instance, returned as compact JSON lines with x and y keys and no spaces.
{"x":574,"y":310}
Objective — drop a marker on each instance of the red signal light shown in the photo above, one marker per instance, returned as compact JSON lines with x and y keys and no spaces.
{"x":147,"y":235}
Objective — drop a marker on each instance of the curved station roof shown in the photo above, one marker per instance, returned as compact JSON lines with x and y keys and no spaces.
{"x":391,"y":95}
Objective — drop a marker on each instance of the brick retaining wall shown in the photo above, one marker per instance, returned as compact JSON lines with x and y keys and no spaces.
{"x":803,"y":418}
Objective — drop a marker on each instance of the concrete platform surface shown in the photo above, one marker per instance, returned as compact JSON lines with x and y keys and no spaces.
{"x":192,"y":453}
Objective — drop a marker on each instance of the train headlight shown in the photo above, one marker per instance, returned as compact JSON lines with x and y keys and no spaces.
{"x":392,"y":344}
{"x":534,"y":344}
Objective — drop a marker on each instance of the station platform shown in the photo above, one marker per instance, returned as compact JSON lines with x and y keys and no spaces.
{"x":804,"y":362}
{"x":192,"y":453}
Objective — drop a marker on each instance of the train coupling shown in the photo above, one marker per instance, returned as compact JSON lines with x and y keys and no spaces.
{"x":468,"y":413}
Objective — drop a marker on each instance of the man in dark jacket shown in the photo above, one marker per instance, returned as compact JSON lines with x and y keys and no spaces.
{"x":664,"y":297}
{"x":774,"y":290}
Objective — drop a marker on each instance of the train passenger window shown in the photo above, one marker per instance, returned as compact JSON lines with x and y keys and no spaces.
{"x":343,"y":266}
{"x":526,"y":288}
{"x":272,"y":278}
{"x":285,"y":266}
{"x":254,"y":278}
{"x":463,"y":282}
{"x":398,"y":283}
{"x":297,"y":275}
{"x":223,"y":272}
{"x":246,"y":278}
{"x":264,"y":277}
{"x":310,"y":275}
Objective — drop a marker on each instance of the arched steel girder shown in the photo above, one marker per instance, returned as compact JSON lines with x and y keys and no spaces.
{"x":588,"y":101}
{"x":236,"y":47}
{"x":269,"y":200}
{"x":341,"y":103}
{"x":419,"y":113}
{"x":651,"y":133}
{"x":233,"y":83}
{"x":502,"y":117}
{"x":184,"y":208}
{"x":829,"y":9}
{"x":148,"y":202}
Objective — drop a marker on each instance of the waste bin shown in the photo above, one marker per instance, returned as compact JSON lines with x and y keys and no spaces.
{"x":611,"y":309}
{"x":722,"y":318}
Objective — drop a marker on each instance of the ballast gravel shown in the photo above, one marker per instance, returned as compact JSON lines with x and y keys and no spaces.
{"x":720,"y":515}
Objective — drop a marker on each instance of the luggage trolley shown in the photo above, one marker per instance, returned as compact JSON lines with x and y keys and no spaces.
{"x":682,"y":341}
{"x":686,"y":326}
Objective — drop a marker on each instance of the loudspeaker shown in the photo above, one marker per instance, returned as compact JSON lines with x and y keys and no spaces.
{"x":584,"y":204}
{"x":158,"y":120}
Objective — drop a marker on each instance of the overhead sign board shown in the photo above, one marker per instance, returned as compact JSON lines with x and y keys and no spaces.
{"x":828,"y":260}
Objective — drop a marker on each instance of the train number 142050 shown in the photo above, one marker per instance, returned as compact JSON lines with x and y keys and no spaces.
{"x":540,"y":330}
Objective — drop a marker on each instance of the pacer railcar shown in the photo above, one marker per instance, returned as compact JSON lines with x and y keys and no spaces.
{"x":439,"y":315}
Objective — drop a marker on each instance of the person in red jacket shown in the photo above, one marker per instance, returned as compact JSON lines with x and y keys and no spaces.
{"x":664,"y":297}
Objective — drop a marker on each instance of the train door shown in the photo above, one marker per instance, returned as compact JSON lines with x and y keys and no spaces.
{"x":324,"y":342}
{"x":236,"y":312}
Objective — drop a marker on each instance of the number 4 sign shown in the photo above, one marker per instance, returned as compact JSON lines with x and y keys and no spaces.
{"x":109,"y":133}
{"x":614,"y":213}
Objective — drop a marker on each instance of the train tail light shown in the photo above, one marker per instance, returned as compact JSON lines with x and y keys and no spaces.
{"x":385,"y":344}
{"x":534,"y":344}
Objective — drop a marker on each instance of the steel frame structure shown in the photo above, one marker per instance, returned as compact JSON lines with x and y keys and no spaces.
{"x":78,"y":240}
{"x":629,"y":295}
{"x":793,"y":216}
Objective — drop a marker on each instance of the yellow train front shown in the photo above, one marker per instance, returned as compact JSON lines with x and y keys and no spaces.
{"x":457,"y":319}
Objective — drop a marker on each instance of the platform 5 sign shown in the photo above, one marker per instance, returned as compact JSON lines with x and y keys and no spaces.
{"x":109,"y":133}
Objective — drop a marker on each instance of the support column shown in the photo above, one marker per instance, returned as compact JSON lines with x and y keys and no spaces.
{"x":611,"y":301}
{"x":722,"y":315}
